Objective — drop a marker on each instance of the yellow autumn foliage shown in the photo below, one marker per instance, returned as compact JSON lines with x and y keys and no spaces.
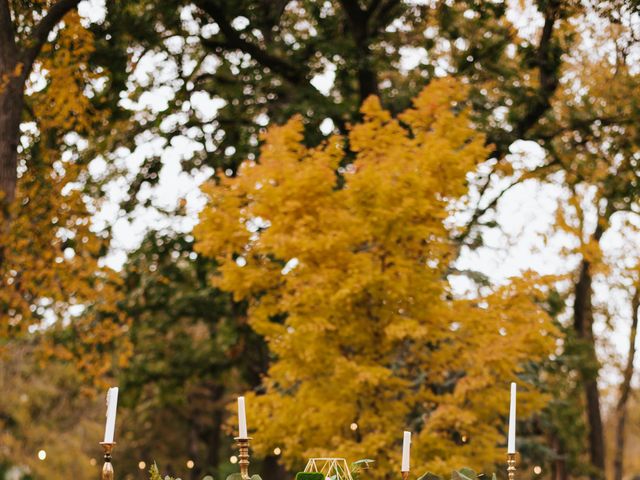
{"x":52,"y":279}
{"x":344,"y":260}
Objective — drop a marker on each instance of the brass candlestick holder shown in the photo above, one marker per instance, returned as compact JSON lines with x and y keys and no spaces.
{"x":511,"y":466}
{"x":405,"y":475}
{"x":107,"y":468}
{"x":243,"y":456}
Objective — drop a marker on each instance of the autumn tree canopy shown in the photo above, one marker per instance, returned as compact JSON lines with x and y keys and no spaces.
{"x":50,"y":268}
{"x":344,"y":263}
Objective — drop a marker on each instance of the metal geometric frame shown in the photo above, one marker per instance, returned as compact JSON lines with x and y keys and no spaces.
{"x":334,"y":468}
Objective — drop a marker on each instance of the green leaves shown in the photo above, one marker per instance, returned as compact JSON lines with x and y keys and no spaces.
{"x":309,"y":476}
{"x":362,"y":464}
{"x":429,"y":476}
{"x":464,"y":473}
{"x":238,"y":476}
{"x":154,"y":473}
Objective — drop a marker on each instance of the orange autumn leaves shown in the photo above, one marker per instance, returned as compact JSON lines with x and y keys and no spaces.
{"x":50,"y":264}
{"x":343,"y":260}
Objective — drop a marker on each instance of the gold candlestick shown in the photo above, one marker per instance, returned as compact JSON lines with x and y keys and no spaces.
{"x":405,"y":475}
{"x":511,"y":466}
{"x":107,"y":468}
{"x":243,"y":447}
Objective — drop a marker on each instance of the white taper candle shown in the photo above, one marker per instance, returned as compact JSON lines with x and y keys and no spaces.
{"x":112,"y":406}
{"x":406,"y":451}
{"x":242,"y":419}
{"x":511,"y":445}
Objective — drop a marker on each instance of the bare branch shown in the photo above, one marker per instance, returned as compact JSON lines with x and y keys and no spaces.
{"x":380,"y":13}
{"x":480,"y":211}
{"x":547,"y":72}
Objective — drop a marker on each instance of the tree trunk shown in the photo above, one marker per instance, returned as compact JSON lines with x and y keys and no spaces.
{"x":271,"y":469}
{"x":194,"y":453}
{"x":583,"y":324}
{"x":11,"y":103}
{"x":625,"y":388}
{"x":10,"y":111}
{"x":213,"y":436}
{"x":367,"y":78}
{"x":558,"y":467}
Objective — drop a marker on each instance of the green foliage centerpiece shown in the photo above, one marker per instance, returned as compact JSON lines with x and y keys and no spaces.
{"x":337,"y":468}
{"x":462,"y":474}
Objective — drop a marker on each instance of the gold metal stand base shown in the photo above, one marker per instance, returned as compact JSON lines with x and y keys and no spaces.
{"x":511,"y":466}
{"x":243,"y":456}
{"x":107,"y":468}
{"x":405,"y":475}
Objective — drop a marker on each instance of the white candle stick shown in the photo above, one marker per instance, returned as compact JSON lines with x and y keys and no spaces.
{"x":112,"y":405}
{"x":406,"y":451}
{"x":511,"y":445}
{"x":242,"y":419}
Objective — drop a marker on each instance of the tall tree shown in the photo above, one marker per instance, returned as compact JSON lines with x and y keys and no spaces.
{"x":343,"y":262}
{"x":593,"y":143}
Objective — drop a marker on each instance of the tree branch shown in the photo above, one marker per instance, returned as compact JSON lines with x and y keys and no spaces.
{"x":547,"y":64}
{"x":479,"y":212}
{"x":41,"y":33}
{"x":576,"y":124}
{"x":362,"y":34}
{"x":379,"y":13}
{"x":7,"y":38}
{"x":357,"y":17}
{"x":292,"y":73}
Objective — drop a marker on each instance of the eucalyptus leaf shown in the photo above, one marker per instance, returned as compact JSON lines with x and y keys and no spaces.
{"x":234,"y":476}
{"x":429,"y":476}
{"x":464,"y":474}
{"x":309,"y":476}
{"x":154,"y":473}
{"x":363,"y":461}
{"x":468,"y":472}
